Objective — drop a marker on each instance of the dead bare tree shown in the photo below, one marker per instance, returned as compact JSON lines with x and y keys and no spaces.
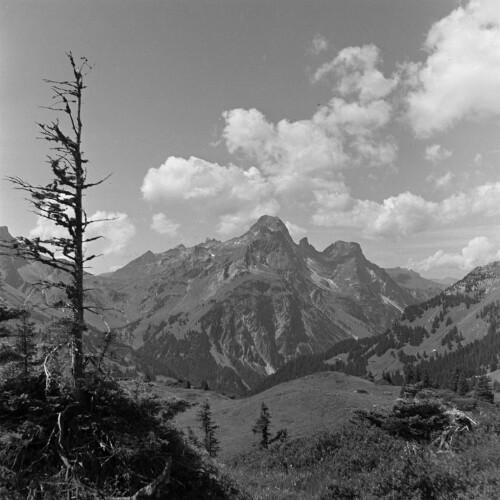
{"x":61,"y":202}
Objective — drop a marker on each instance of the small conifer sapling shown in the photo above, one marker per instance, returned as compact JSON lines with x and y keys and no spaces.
{"x":209,"y":428}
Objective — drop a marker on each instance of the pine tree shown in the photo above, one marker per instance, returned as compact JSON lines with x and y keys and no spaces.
{"x":209,"y":428}
{"x":455,"y":379}
{"x":482,"y":391}
{"x":25,"y":345}
{"x":7,"y":354}
{"x":463,"y":385}
{"x":262,"y":425}
{"x":426,"y":382}
{"x":409,"y":374}
{"x":7,"y":313}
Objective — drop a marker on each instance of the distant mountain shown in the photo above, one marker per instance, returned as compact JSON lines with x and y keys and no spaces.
{"x":420,"y":288}
{"x":234,"y":312}
{"x":457,"y":329}
{"x":445,"y":324}
{"x":448,"y":281}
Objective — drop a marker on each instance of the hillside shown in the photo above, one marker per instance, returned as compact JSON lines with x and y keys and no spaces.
{"x":232,"y":312}
{"x":457,"y":329}
{"x":323,"y":401}
{"x":445,"y":325}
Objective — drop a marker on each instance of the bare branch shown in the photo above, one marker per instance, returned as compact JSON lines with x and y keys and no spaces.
{"x":92,"y":184}
{"x":151,"y":490}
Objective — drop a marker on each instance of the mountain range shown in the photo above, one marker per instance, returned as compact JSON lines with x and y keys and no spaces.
{"x":232,"y":313}
{"x":454,"y":332}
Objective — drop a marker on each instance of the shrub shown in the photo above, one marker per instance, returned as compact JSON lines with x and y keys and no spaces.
{"x":54,"y":447}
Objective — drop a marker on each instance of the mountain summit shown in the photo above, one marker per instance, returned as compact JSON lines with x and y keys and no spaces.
{"x":233,"y":312}
{"x":270,"y":223}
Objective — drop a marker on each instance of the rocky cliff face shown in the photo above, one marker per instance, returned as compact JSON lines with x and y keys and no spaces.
{"x":233,"y":312}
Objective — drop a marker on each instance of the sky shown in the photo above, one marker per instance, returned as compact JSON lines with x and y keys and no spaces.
{"x":374,"y":121}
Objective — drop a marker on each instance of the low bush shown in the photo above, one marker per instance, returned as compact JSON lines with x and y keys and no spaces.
{"x":111,"y":445}
{"x":423,"y":449}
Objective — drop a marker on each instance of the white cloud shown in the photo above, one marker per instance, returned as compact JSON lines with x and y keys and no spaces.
{"x":340,"y":135}
{"x":115,"y":228}
{"x":437,"y":153}
{"x":461,"y":76}
{"x":479,"y":251}
{"x":233,"y":195}
{"x":355,"y":73}
{"x":163,"y":225}
{"x":239,"y":221}
{"x":290,"y":160}
{"x":404,"y":214}
{"x":179,"y":179}
{"x":300,"y":146}
{"x":294,"y":230}
{"x":346,"y":132}
{"x":117,"y":231}
{"x":318,"y":44}
{"x":441,"y":182}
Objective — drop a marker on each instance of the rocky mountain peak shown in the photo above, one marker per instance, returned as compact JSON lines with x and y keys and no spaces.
{"x":343,"y":249}
{"x":270,"y":223}
{"x":307,"y":249}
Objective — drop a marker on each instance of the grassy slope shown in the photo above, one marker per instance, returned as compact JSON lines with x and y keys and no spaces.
{"x":471,"y":328}
{"x":321,"y":401}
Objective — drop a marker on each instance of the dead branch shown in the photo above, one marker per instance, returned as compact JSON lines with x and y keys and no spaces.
{"x":154,"y":488}
{"x":48,"y":375}
{"x":459,"y":422}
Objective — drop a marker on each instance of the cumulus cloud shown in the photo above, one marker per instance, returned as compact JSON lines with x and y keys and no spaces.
{"x":300,"y":146}
{"x":163,"y":225}
{"x":240,"y":220}
{"x":479,"y":251}
{"x":441,"y":181}
{"x":234,"y":195}
{"x":318,"y":44}
{"x":196,"y":179}
{"x":286,"y":161}
{"x":354,"y":71}
{"x":461,"y":76}
{"x":437,"y":153}
{"x":346,"y":132}
{"x":304,"y":161}
{"x":404,"y":214}
{"x":340,"y":135}
{"x":115,"y":228}
{"x":294,"y":230}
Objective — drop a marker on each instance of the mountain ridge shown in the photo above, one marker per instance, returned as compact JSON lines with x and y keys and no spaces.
{"x":232,"y":312}
{"x":456,"y":330}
